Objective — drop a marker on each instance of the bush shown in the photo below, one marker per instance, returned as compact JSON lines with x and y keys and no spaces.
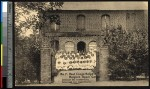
{"x":128,"y":54}
{"x":27,"y":62}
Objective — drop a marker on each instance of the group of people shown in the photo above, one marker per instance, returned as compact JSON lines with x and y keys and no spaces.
{"x":72,"y":60}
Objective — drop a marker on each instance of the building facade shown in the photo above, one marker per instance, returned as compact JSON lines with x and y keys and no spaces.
{"x":79,"y":31}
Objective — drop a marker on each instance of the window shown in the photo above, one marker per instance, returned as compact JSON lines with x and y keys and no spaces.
{"x":55,"y":45}
{"x":133,"y":20}
{"x":69,"y":46}
{"x":130,"y":21}
{"x":81,"y":46}
{"x":81,"y":22}
{"x":128,"y":16}
{"x":54,"y":22}
{"x":54,"y":27}
{"x":93,"y":45}
{"x":105,"y":21}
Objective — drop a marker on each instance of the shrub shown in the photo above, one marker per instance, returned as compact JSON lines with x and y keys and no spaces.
{"x":128,"y":53}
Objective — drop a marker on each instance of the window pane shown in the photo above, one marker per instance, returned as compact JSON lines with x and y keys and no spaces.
{"x":133,"y":21}
{"x":105,"y":21}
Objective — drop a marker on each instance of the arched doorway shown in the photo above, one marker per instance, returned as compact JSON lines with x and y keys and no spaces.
{"x":81,"y":46}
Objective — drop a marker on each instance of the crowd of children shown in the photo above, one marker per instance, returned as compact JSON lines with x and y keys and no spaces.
{"x":72,"y":60}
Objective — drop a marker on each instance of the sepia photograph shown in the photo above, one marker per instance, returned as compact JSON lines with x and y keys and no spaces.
{"x":81,"y":43}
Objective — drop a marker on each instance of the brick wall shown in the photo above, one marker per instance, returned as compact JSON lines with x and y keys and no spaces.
{"x":93,"y":19}
{"x":92,"y":23}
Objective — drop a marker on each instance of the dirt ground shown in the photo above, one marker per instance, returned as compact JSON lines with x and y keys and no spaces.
{"x":101,"y":83}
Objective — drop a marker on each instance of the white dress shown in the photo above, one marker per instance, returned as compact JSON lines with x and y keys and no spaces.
{"x":59,"y":63}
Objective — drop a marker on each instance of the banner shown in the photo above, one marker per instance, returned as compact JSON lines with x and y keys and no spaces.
{"x":75,"y":76}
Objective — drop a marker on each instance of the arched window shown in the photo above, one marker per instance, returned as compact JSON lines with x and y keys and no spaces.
{"x":127,"y":21}
{"x":127,"y":15}
{"x":93,"y":45}
{"x":130,"y":21}
{"x":54,"y":22}
{"x":133,"y":20}
{"x":81,"y":22}
{"x":105,"y":21}
{"x":69,"y":46}
{"x":81,"y":46}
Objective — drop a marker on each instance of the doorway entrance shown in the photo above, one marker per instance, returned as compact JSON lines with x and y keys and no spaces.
{"x":81,"y":46}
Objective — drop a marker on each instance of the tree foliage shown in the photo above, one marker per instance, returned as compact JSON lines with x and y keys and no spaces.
{"x":27,"y":51}
{"x":128,"y":52}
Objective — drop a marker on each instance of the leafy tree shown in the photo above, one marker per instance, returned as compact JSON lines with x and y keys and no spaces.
{"x":27,"y":52}
{"x":129,"y":52}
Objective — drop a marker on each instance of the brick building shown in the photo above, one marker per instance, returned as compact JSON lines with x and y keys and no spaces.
{"x":81,"y":30}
